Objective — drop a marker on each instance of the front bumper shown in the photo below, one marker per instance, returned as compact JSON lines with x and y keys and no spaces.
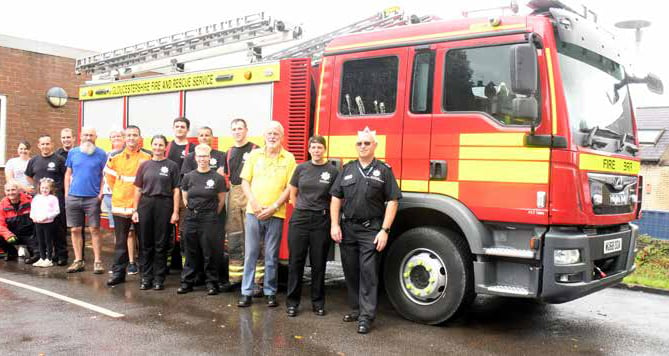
{"x":594,"y":271}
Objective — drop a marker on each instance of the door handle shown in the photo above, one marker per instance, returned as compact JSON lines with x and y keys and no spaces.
{"x":438,"y":169}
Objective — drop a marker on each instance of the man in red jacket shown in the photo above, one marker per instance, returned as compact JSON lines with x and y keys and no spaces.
{"x":15,"y":224}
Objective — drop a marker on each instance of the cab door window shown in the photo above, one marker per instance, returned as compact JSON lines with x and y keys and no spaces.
{"x":479,"y":79}
{"x":422,"y":81}
{"x":369,"y":86}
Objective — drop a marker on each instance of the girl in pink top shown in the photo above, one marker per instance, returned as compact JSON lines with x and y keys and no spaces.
{"x":43,"y":210}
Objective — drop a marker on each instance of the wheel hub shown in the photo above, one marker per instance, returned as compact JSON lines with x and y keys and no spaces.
{"x":423,"y":276}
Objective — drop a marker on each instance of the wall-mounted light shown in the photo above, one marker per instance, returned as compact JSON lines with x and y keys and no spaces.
{"x":56,"y":96}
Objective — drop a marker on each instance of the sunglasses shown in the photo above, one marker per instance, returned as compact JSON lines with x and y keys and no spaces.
{"x":363,"y":143}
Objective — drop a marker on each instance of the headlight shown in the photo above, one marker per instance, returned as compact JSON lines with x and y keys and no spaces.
{"x":566,"y":257}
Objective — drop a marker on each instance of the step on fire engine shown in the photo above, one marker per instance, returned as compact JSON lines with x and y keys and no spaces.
{"x":513,"y":138}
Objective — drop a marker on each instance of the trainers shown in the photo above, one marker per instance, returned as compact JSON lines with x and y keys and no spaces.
{"x":39,"y":263}
{"x":76,"y":266}
{"x":22,"y":252}
{"x":132,"y":268}
{"x":98,"y":268}
{"x":47,"y":263}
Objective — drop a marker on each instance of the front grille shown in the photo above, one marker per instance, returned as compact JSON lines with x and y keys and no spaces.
{"x":603,"y":210}
{"x":612,"y":194}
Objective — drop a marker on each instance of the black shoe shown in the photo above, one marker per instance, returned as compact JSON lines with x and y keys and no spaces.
{"x":348,"y":318}
{"x":184,"y":288}
{"x":291,"y":311}
{"x":9,"y":257}
{"x":212,"y":290}
{"x":144,"y":285}
{"x":158,"y":286}
{"x":30,"y":260}
{"x":364,"y":326}
{"x":271,"y":301}
{"x":319,"y":311}
{"x":114,"y":280}
{"x":245,"y":301}
{"x":62,"y":262}
{"x":225,"y":287}
{"x":257,"y":292}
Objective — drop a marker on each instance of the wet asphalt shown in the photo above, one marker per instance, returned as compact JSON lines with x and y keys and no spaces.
{"x":611,"y":322}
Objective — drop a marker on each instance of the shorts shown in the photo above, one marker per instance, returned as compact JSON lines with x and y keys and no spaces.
{"x":79,"y":208}
{"x":106,"y":208}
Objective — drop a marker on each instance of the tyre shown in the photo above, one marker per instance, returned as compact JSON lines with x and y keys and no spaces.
{"x":428,"y":274}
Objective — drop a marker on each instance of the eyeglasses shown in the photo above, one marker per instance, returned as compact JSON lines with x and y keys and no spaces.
{"x":363,"y":143}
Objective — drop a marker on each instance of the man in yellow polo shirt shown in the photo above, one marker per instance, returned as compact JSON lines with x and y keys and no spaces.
{"x":265,"y":178}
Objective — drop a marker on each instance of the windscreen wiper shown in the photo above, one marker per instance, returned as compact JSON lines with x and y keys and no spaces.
{"x":624,"y":145}
{"x":590,"y":140}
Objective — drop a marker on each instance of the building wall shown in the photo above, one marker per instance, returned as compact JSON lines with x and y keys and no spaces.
{"x":656,"y":187}
{"x":25,"y":77}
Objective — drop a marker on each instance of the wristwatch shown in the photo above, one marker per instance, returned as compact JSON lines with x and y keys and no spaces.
{"x":386,"y":229}
{"x":275,"y":206}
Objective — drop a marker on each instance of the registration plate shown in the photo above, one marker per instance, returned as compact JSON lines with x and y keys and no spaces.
{"x":618,"y":199}
{"x":614,"y":245}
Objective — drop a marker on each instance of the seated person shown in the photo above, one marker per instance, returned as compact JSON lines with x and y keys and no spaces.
{"x":16,"y":228}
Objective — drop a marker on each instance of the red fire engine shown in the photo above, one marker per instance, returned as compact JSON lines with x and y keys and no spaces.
{"x":513,"y":140}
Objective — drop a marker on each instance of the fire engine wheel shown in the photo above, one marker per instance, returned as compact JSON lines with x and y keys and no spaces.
{"x":428,"y":274}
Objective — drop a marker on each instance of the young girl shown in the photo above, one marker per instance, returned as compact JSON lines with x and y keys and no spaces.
{"x":44,"y":209}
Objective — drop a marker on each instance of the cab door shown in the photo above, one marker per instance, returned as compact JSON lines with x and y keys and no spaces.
{"x":477,"y":134}
{"x":368,"y":90}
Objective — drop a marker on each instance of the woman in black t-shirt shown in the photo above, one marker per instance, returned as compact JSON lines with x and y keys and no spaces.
{"x":309,"y":230}
{"x":204,"y":196}
{"x":156,"y":207}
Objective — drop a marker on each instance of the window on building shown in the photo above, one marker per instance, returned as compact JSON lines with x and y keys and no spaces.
{"x":369,"y":86}
{"x":421,"y":87}
{"x":3,"y":127}
{"x":649,"y":137}
{"x":479,"y":79}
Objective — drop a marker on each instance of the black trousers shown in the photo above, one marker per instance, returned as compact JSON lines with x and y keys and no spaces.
{"x":308,"y":233}
{"x":154,"y":226}
{"x":60,"y":234}
{"x":45,"y":234}
{"x":360,"y":261}
{"x":29,"y":240}
{"x":121,"y":229}
{"x":224,"y":261}
{"x":202,"y":246}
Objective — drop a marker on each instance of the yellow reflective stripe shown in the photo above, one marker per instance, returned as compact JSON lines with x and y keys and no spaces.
{"x":608,"y":164}
{"x":492,"y":139}
{"x":503,"y":171}
{"x":119,"y":210}
{"x":344,"y":146}
{"x":473,"y":29}
{"x":505,"y":153}
{"x":127,"y":179}
{"x":318,"y":99}
{"x":110,"y":171}
{"x":414,"y":185}
{"x":446,"y":188}
{"x":551,"y":85}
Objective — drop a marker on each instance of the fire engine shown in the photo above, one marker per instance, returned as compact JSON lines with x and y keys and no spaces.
{"x":513,"y":138}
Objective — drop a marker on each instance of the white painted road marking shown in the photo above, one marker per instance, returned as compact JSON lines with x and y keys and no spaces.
{"x":89,"y":306}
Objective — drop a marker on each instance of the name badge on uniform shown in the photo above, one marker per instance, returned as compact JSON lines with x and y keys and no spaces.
{"x":348,"y":177}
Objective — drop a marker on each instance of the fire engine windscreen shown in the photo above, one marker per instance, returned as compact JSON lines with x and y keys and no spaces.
{"x":596,"y":95}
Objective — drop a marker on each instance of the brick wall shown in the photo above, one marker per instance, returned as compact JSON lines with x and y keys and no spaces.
{"x":25,"y":78}
{"x":656,"y":184}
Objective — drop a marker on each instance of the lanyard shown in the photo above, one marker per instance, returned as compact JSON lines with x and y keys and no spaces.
{"x":367,"y":171}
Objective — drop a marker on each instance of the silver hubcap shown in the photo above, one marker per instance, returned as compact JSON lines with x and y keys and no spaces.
{"x":423,"y":276}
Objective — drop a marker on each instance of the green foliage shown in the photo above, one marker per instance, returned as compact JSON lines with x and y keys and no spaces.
{"x":652,"y":263}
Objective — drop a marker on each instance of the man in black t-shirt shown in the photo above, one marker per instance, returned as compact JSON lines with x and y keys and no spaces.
{"x":234,"y":226}
{"x":67,"y":140}
{"x":177,"y":150}
{"x":50,"y":165}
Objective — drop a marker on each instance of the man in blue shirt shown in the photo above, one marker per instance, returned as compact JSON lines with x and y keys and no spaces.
{"x":83,"y":179}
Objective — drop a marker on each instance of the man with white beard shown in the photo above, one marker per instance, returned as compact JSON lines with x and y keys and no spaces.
{"x":83,"y":180}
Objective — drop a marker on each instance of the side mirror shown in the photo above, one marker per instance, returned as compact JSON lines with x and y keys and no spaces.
{"x":654,"y":84}
{"x":523,"y":60}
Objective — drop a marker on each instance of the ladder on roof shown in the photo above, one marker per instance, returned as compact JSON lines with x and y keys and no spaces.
{"x":246,"y":33}
{"x":313,"y":48}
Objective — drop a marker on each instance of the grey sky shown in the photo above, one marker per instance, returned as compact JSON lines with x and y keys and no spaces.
{"x":101,"y":26}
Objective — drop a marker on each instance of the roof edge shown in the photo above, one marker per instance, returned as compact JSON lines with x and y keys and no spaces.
{"x":47,"y":48}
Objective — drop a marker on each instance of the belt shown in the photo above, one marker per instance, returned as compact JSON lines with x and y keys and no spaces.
{"x":314,"y":212}
{"x":361,"y":221}
{"x":200,"y":211}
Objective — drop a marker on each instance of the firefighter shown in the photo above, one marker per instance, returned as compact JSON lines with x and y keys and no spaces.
{"x":309,"y":227}
{"x":203,"y":193}
{"x":234,"y":227}
{"x":365,"y":196}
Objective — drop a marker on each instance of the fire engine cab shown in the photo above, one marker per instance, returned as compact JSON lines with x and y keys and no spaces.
{"x":513,"y":140}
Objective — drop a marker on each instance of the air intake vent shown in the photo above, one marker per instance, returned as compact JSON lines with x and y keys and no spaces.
{"x":299,"y":98}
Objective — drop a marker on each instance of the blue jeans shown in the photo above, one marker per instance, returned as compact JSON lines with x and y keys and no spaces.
{"x":270,"y":231}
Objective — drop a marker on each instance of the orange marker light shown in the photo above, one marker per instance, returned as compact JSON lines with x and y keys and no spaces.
{"x":248,"y":75}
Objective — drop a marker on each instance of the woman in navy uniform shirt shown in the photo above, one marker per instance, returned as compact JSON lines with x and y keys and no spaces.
{"x":156,"y":207}
{"x":309,"y":230}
